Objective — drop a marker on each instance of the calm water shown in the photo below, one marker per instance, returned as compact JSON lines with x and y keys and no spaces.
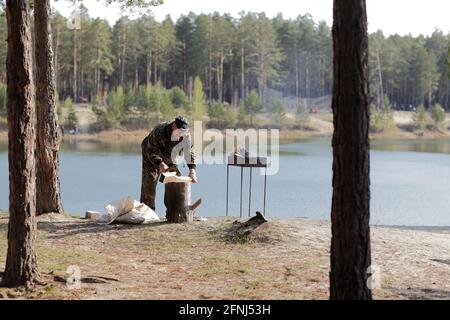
{"x":410,"y":181}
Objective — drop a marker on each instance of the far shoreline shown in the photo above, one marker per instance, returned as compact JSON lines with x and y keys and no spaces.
{"x":118,"y":136}
{"x":320,"y":126}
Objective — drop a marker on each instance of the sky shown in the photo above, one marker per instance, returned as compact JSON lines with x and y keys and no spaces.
{"x":391,"y":16}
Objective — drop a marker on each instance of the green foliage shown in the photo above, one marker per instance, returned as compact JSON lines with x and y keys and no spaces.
{"x":438,"y":115}
{"x":103,"y":119}
{"x":72,"y":120}
{"x":135,"y":4}
{"x":221,"y":116}
{"x":242,"y":115}
{"x":164,"y":102}
{"x":198,"y":99}
{"x":280,"y":113}
{"x":2,"y":100}
{"x":274,"y":104}
{"x":302,"y":116}
{"x":68,"y":103}
{"x":130,"y":100}
{"x":387,"y":102}
{"x":96,"y":106}
{"x":381,"y":121}
{"x":293,"y":56}
{"x":216,"y":110}
{"x":420,"y":118}
{"x":145,"y":100}
{"x":230,"y":117}
{"x":179,"y":98}
{"x":59,"y":110}
{"x":259,"y":40}
{"x":252,"y":104}
{"x":116,"y":106}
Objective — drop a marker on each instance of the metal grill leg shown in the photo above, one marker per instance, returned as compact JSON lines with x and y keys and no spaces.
{"x":265,"y":189}
{"x":228,"y":174}
{"x":242,"y":174}
{"x":250,"y":193}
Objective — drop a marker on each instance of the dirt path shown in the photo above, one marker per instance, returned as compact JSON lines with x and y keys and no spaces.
{"x":291,"y":260}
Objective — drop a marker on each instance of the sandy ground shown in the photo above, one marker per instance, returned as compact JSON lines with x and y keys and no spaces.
{"x":86,"y":117}
{"x":289,"y":260}
{"x":403,"y":129}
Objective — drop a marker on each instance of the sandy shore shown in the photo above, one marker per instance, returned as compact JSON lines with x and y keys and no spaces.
{"x":290,"y":260}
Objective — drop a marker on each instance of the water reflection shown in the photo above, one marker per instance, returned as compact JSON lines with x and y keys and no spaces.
{"x":409,"y":180}
{"x":287,"y":148}
{"x":431,"y":146}
{"x":96,"y":147}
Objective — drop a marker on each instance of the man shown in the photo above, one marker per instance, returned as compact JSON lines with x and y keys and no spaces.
{"x":159,"y":151}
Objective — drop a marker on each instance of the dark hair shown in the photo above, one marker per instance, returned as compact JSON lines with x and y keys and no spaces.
{"x":181,"y":123}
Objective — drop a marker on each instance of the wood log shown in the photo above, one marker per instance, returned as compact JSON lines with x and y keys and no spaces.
{"x":92,"y":215}
{"x":177,"y":199}
{"x":242,"y":231}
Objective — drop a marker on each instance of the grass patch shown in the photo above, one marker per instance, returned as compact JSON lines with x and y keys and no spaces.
{"x":54,"y":259}
{"x":251,"y":289}
{"x":171,"y":246}
{"x":222,"y":264}
{"x":50,"y":258}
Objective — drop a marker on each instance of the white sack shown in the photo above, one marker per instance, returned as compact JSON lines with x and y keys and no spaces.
{"x":140,"y":214}
{"x":129,"y":211}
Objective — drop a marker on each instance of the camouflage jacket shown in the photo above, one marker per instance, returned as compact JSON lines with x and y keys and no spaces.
{"x":158,"y":147}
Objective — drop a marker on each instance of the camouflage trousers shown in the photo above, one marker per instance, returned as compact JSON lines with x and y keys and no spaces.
{"x":150,"y":178}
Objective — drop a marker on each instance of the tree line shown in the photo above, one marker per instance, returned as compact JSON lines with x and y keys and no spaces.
{"x":350,"y":254}
{"x":234,"y":55}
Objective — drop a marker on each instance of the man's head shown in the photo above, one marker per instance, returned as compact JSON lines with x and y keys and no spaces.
{"x":180,"y":128}
{"x":181,"y":123}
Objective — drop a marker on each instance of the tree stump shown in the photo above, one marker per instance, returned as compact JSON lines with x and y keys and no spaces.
{"x":242,"y":231}
{"x":177,"y":198}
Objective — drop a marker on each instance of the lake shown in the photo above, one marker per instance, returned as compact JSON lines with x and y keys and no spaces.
{"x":410,"y":181}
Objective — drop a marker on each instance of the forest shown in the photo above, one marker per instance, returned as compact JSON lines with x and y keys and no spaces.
{"x":221,"y":66}
{"x":269,"y":59}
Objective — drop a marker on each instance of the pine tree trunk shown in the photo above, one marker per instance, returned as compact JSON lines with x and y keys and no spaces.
{"x":210,"y":89}
{"x":380,"y":78}
{"x":21,"y":260}
{"x":56,"y":60}
{"x":136,"y":79}
{"x":242,"y":73}
{"x":81,"y":80}
{"x":148,"y":70}
{"x":350,"y":245}
{"x":296,"y":80}
{"x":75,"y":86}
{"x":48,"y":197}
{"x":231,"y":88}
{"x":122,"y":58}
{"x":155,"y":66}
{"x":184,"y":67}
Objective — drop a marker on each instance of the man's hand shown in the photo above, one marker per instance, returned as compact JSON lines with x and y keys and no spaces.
{"x":163,"y":167}
{"x":193,"y":175}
